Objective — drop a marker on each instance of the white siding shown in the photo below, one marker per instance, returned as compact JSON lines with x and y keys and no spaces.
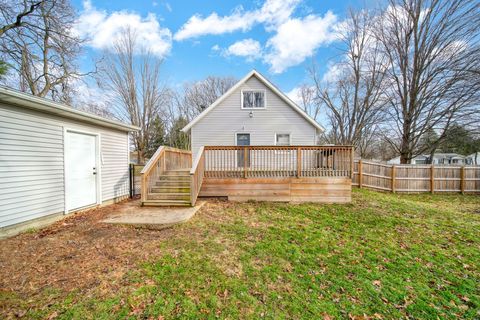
{"x":31,"y":163}
{"x":221,"y":124}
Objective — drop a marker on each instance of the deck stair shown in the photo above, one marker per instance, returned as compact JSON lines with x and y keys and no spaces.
{"x":172,"y":188}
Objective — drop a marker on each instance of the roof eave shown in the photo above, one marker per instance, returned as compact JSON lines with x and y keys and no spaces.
{"x":41,"y":104}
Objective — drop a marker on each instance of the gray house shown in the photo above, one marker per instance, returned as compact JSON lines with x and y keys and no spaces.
{"x":438,"y":158}
{"x":253,"y":112}
{"x":55,"y":160}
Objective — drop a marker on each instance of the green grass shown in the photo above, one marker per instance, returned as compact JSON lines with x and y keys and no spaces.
{"x":383,"y":256}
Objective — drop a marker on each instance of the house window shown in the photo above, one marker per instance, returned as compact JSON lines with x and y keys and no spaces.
{"x":252,"y":99}
{"x":282,"y":139}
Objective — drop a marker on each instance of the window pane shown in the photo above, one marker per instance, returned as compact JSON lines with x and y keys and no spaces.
{"x":259,"y":100}
{"x":283,"y":139}
{"x":248,"y":99}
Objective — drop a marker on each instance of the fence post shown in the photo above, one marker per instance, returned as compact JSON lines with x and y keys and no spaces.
{"x":130,"y":178}
{"x":462,"y":179}
{"x":394,"y":175}
{"x":360,"y":173}
{"x":299,"y":162}
{"x":432,"y":179}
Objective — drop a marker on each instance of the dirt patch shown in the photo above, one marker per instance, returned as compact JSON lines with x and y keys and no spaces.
{"x":77,"y":253}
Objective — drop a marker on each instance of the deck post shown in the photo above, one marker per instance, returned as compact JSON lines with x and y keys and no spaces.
{"x":462,"y":179}
{"x":143,"y":188}
{"x":352,"y":155}
{"x":360,"y":173}
{"x":432,"y":179}
{"x":394,"y":175}
{"x":299,"y":162}
{"x":245,"y":162}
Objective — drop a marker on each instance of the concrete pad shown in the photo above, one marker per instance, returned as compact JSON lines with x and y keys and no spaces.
{"x":152,"y":217}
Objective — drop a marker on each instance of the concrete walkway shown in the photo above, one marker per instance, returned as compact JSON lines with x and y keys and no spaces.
{"x":152,"y":217}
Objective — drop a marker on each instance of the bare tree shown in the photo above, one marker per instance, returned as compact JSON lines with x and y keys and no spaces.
{"x":132,"y":75}
{"x":11,"y":17}
{"x":197,"y":96}
{"x":306,"y":98}
{"x":432,"y":47}
{"x":353,"y":98}
{"x":184,"y":105}
{"x":42,"y":50}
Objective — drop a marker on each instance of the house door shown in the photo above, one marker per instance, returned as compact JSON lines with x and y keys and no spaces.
{"x":243,"y":139}
{"x":80,"y":170}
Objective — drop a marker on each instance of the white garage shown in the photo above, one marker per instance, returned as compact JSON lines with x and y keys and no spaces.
{"x":55,"y":160}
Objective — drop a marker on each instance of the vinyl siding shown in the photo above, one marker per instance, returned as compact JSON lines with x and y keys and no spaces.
{"x":220,"y":125}
{"x":32,"y":167}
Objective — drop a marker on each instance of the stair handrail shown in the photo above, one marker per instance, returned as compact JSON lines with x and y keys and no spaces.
{"x":146,"y":171}
{"x":148,"y":167}
{"x":196,"y":175}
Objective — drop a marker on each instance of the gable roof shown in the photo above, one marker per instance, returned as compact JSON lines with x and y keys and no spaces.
{"x":269,"y":85}
{"x":28,"y":101}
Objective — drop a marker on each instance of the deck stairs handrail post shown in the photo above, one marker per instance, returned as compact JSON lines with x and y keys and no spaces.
{"x":197,"y":173}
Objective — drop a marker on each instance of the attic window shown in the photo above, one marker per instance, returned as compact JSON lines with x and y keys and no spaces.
{"x":253,"y":99}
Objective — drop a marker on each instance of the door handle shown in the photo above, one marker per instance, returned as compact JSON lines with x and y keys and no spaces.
{"x":94,"y":171}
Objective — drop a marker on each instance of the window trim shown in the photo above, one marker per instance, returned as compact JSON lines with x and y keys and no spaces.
{"x":289,"y":138}
{"x":253,"y":90}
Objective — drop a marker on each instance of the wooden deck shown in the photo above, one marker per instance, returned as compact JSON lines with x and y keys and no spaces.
{"x":264,"y":173}
{"x":325,"y":190}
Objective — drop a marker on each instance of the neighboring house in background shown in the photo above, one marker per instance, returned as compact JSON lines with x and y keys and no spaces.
{"x":438,"y":158}
{"x":55,"y":160}
{"x":253,"y":112}
{"x":473,"y":159}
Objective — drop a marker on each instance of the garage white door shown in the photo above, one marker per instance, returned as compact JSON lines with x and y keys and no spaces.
{"x":81,"y":170}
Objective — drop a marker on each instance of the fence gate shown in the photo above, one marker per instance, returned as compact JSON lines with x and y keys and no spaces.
{"x":135,"y":179}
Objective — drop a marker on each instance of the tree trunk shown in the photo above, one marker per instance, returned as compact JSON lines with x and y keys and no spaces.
{"x":405,"y":150}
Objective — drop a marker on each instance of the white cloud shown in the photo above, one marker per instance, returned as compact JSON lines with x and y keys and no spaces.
{"x":197,"y":26}
{"x":334,"y":70}
{"x":275,"y":12}
{"x":247,"y":48}
{"x":272,"y":13}
{"x":295,"y":95}
{"x":296,"y":39}
{"x":102,"y":29}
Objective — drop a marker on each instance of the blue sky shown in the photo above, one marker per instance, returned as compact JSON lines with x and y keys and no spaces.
{"x":280,"y":38}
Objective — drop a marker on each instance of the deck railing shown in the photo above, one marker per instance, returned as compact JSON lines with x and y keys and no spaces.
{"x":278,"y":161}
{"x":165,"y":158}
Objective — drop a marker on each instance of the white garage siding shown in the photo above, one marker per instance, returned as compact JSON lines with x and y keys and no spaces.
{"x":32,"y":163}
{"x":219,"y":125}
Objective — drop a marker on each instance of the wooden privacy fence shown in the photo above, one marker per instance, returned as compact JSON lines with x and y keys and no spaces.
{"x":416,"y":178}
{"x":278,"y":161}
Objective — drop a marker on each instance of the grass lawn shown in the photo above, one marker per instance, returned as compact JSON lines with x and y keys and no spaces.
{"x":383,"y":256}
